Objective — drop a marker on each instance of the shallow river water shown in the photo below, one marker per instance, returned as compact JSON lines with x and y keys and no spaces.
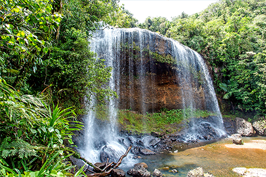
{"x":215,"y":158}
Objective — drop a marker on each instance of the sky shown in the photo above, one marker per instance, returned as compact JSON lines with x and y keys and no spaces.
{"x":141,"y":9}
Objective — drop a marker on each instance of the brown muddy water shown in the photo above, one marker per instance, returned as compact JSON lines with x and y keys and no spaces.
{"x":215,"y":158}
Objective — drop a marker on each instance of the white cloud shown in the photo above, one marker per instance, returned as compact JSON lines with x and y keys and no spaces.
{"x":167,"y":8}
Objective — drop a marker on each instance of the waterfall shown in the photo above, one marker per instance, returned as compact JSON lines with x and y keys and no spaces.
{"x":131,"y":53}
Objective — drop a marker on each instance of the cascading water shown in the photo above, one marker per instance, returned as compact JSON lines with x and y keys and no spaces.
{"x":134,"y":55}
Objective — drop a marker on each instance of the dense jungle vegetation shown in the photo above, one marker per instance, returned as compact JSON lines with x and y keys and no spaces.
{"x":46,"y":69}
{"x":231,"y":36}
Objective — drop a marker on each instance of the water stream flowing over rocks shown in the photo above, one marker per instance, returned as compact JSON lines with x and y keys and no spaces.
{"x":149,"y":73}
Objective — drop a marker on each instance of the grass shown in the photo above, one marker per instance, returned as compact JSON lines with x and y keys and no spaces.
{"x":166,"y":121}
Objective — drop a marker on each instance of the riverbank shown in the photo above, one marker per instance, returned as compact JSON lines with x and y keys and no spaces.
{"x":216,"y":158}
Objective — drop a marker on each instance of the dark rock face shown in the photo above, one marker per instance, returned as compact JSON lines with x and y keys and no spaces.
{"x":150,"y":59}
{"x":230,"y":126}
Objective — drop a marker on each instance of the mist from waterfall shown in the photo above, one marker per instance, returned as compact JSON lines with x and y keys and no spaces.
{"x":125,"y":51}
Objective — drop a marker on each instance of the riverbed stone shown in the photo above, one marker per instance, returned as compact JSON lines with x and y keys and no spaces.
{"x":244,"y":127}
{"x":238,"y":141}
{"x":250,"y":172}
{"x":157,"y":173}
{"x":197,"y":172}
{"x":118,"y":173}
{"x":260,"y":127}
{"x":141,"y":164}
{"x":139,"y":170}
{"x":99,"y":165}
{"x":146,"y":152}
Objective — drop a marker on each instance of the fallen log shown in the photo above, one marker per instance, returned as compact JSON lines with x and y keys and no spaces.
{"x":110,"y":165}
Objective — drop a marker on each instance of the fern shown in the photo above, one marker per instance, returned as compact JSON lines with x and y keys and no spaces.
{"x":18,"y":148}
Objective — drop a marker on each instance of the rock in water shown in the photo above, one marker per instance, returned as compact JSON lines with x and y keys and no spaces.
{"x":236,"y":136}
{"x":198,"y":172}
{"x":99,"y":165}
{"x":243,"y":127}
{"x":157,"y":173}
{"x":146,"y":152}
{"x":260,"y":127}
{"x":118,"y":173}
{"x":141,"y":164}
{"x":238,"y":141}
{"x":108,"y":153}
{"x":139,"y":170}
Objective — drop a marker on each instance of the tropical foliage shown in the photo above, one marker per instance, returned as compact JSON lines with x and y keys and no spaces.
{"x":230,"y":35}
{"x":46,"y":69}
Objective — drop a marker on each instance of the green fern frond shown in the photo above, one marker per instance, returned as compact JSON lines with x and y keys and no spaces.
{"x":19,"y":148}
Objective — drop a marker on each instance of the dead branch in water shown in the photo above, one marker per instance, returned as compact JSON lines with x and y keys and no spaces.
{"x":111,"y":165}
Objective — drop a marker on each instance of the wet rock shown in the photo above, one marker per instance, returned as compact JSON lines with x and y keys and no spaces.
{"x":260,"y":127}
{"x":166,"y":168}
{"x":156,"y":134}
{"x":157,"y":173}
{"x":250,"y":172}
{"x":135,"y":150}
{"x":141,"y":164}
{"x":198,"y":172}
{"x":118,"y":173}
{"x":173,"y":171}
{"x":146,"y":152}
{"x":238,"y":141}
{"x":79,"y":163}
{"x":139,"y":170}
{"x":108,"y":153}
{"x":99,"y":165}
{"x":235,"y":136}
{"x":243,"y":127}
{"x":131,"y":139}
{"x":154,"y":141}
{"x":136,"y":157}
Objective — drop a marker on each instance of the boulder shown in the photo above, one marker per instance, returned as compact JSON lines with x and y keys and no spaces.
{"x":238,"y":141}
{"x":244,"y":127}
{"x":198,"y":172}
{"x":235,"y":136}
{"x":139,"y":170}
{"x":260,"y":127}
{"x":146,"y":152}
{"x":135,"y":150}
{"x":110,"y":153}
{"x":157,"y":173}
{"x":99,"y":165}
{"x":141,"y":164}
{"x":250,"y":172}
{"x":118,"y":173}
{"x":79,"y":163}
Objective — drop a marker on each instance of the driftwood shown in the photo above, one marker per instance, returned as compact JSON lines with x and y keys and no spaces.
{"x":106,"y":171}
